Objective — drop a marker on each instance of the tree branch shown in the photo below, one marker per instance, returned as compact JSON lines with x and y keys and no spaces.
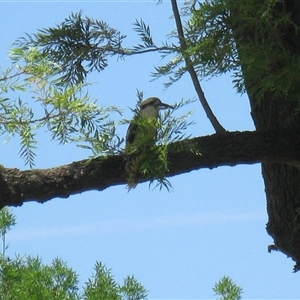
{"x":229,"y":149}
{"x":129,"y":52}
{"x":6,"y":78}
{"x":210,"y":115}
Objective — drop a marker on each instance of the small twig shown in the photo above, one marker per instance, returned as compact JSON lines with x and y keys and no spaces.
{"x":12,"y":76}
{"x":210,"y":115}
{"x":47,"y":117}
{"x":134,"y":52}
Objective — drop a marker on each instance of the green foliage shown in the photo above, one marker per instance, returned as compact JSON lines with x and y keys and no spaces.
{"x":148,"y":45}
{"x":76,"y":47}
{"x":165,"y":49}
{"x":24,"y":278}
{"x":227,"y":289}
{"x":210,"y":45}
{"x":102,"y":286}
{"x":30,"y":61}
{"x":144,"y":32}
{"x":210,"y":42}
{"x":132,"y":289}
{"x":7,"y":221}
{"x":174,"y":69}
{"x":173,"y":128}
{"x":28,"y":144}
{"x":64,"y":110}
{"x":27,"y":278}
{"x":218,"y":43}
{"x":52,"y":65}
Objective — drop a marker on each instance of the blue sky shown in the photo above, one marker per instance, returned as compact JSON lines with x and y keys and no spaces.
{"x":177,"y":243}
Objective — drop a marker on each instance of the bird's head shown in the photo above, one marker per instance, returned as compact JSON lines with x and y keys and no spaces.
{"x":151,"y":106}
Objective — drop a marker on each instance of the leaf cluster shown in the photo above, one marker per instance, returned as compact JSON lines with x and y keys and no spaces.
{"x":77,"y":46}
{"x":270,"y":62}
{"x":264,"y":59}
{"x":172,"y":68}
{"x":64,"y":110}
{"x":144,"y":32}
{"x":25,"y":278}
{"x":7,"y":221}
{"x":210,"y":43}
{"x":15,"y":119}
{"x":208,"y":47}
{"x":173,"y":128}
{"x":227,"y":289}
{"x":102,"y":285}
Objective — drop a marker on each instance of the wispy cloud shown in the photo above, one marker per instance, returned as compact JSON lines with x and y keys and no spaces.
{"x":121,"y":225}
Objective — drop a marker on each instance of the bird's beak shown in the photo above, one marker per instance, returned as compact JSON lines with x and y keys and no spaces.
{"x":165,"y":106}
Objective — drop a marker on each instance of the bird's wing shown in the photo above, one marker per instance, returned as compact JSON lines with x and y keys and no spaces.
{"x":131,"y":133}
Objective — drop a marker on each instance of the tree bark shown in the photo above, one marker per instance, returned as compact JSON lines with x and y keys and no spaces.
{"x":272,"y":111}
{"x":282,"y":186}
{"x":230,"y":149}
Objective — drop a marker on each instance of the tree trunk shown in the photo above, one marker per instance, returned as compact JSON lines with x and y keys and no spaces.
{"x":282,"y":181}
{"x":275,"y":111}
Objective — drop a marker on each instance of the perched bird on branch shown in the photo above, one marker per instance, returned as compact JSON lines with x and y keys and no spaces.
{"x":141,"y":135}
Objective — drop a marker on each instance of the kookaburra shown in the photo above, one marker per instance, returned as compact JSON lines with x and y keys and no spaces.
{"x":141,"y":134}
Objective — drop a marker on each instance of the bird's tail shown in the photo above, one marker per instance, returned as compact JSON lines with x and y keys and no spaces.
{"x":132,"y":171}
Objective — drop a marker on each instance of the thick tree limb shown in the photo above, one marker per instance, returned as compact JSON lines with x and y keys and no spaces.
{"x":233,"y":148}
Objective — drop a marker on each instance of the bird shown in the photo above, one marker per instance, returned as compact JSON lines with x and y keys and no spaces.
{"x":141,"y":135}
